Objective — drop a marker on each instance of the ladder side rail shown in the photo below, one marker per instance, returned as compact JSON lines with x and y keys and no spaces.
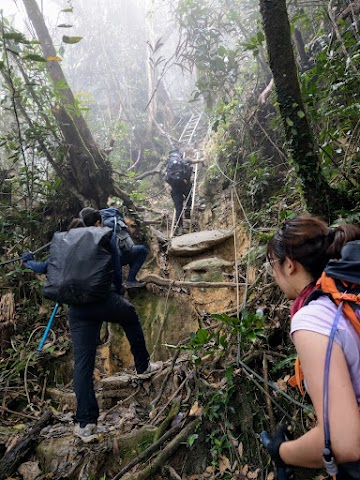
{"x":185,"y":128}
{"x":194,"y":130}
{"x":194,"y":185}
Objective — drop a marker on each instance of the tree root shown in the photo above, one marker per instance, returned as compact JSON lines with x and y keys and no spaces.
{"x":163,"y":455}
{"x":165,"y":282}
{"x":148,"y":452}
{"x":14,"y":457}
{"x":158,"y":398}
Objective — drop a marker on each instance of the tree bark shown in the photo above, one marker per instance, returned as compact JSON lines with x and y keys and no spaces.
{"x":319,"y":197}
{"x":85,"y":169}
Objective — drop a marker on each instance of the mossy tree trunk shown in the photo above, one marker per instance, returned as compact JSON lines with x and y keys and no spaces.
{"x":319,"y":197}
{"x":84,"y":169}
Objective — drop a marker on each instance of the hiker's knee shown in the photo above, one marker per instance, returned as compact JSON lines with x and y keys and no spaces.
{"x":140,"y":251}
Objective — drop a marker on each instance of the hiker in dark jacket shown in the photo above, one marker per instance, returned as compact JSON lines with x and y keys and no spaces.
{"x":130,"y":253}
{"x":134,"y":256}
{"x":297,"y":255}
{"x":178,"y":176}
{"x":85,"y":323}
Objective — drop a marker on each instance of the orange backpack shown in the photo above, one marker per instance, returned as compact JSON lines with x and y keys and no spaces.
{"x":340,"y":281}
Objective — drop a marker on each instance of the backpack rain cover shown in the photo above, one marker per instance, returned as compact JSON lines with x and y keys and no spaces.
{"x":177,"y":169}
{"x":80,"y":266}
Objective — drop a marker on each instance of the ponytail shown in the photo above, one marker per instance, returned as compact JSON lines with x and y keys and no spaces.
{"x":342,"y":234}
{"x":308,"y":240}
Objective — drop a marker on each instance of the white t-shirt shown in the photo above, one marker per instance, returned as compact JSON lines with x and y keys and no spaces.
{"x":318,"y":316}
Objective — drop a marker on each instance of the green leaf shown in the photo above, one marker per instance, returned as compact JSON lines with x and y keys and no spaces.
{"x":33,"y":56}
{"x":289,"y":122}
{"x":16,"y":36}
{"x":65,"y":25}
{"x":71,"y":40}
{"x":252,"y":336}
{"x":260,"y":36}
{"x":249,"y":46}
{"x":282,"y":363}
{"x":300,"y":114}
{"x":67,"y":10}
{"x":287,"y":214}
{"x":202,"y":335}
{"x":13,"y":49}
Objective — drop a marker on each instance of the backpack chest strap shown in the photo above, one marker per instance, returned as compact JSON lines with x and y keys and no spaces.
{"x":348,"y":297}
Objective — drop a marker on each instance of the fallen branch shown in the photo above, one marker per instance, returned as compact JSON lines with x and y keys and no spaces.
{"x":160,"y":460}
{"x":165,"y":282}
{"x":20,"y":414}
{"x":14,"y":457}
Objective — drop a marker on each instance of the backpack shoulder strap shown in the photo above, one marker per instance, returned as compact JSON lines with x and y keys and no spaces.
{"x":339,"y":291}
{"x":317,"y":294}
{"x":297,"y":379}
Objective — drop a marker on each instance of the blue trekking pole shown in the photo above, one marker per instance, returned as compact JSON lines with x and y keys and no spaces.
{"x":281,"y":471}
{"x":48,"y":326}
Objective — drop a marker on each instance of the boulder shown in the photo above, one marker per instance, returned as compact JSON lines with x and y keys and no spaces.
{"x":207,"y":264}
{"x":207,"y":269}
{"x":198,"y":242}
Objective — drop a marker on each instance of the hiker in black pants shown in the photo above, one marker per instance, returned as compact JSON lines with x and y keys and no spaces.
{"x":85,"y":323}
{"x":178,"y":176}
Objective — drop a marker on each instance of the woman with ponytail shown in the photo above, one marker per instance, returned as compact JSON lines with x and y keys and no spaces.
{"x":298,"y":254}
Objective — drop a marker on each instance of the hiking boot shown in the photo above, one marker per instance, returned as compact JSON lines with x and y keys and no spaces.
{"x":87,"y":434}
{"x":152,"y":368}
{"x":178,"y":232}
{"x":135,"y":284}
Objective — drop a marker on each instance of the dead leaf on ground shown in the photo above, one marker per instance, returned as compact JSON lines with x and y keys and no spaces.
{"x":245,"y":469}
{"x":195,"y":410}
{"x":224,"y":464}
{"x":254,"y":474}
{"x":282,"y":384}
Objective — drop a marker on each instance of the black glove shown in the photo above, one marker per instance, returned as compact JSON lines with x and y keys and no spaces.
{"x":272,"y":444}
{"x":25,"y":257}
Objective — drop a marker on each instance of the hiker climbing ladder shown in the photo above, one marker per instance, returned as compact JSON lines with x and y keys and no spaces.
{"x":190,"y":200}
{"x":187,"y":136}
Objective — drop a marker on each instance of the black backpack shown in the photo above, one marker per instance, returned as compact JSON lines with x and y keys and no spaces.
{"x":80,"y":266}
{"x":113,"y":217}
{"x":177,"y":169}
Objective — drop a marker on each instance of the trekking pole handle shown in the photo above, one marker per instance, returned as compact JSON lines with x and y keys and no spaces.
{"x":41,"y":248}
{"x":281,"y":471}
{"x":19,"y":258}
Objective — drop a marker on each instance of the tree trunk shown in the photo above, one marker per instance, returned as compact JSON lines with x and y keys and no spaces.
{"x":319,"y":197}
{"x":84,"y":168}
